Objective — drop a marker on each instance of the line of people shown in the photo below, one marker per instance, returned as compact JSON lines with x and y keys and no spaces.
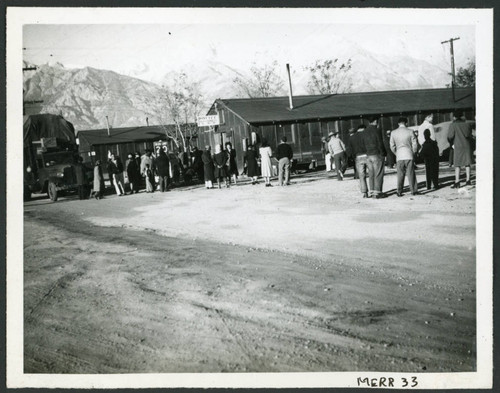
{"x":366,"y":147}
{"x":221,"y":166}
{"x":139,"y":170}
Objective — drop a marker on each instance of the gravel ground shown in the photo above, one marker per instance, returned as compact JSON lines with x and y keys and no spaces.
{"x":309,"y":277}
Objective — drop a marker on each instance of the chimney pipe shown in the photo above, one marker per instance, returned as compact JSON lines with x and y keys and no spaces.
{"x":289,"y":86}
{"x":107,"y":124}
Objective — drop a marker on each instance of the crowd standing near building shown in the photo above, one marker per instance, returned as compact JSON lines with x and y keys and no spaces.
{"x":367,"y":149}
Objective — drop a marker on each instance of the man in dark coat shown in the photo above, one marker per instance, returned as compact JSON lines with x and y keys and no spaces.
{"x":133,"y":173}
{"x":430,"y":154}
{"x":460,"y":136}
{"x":375,"y":152}
{"x":163,"y":170}
{"x":197,"y":163}
{"x":232,"y":167}
{"x":208,"y":167}
{"x":357,"y":150}
{"x":284,"y":154}
{"x":81,"y":179}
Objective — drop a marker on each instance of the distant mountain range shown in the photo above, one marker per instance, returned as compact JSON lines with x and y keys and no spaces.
{"x":86,"y":96}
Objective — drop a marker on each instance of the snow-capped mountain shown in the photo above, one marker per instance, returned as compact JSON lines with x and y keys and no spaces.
{"x":85,"y":96}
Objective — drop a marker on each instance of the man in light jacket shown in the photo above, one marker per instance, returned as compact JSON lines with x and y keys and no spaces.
{"x":426,"y":125}
{"x":337,"y":150}
{"x":404,"y":145}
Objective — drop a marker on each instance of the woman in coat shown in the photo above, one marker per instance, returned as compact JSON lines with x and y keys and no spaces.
{"x":250,"y":160}
{"x":133,"y":173}
{"x":266,"y":153}
{"x":460,"y":136}
{"x":220,"y":163}
{"x":115,"y":172}
{"x":163,"y":170}
{"x":208,"y":167}
{"x":98,"y":181}
{"x":196,"y":155}
{"x":232,"y":167}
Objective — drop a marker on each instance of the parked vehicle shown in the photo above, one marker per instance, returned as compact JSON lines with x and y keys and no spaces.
{"x":50,"y":156}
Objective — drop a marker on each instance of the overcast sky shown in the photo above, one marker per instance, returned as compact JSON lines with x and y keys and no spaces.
{"x":150,"y":51}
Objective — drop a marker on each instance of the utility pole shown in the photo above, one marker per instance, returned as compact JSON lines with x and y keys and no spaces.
{"x":29,"y":102}
{"x":452,"y":64}
{"x":107,"y":124}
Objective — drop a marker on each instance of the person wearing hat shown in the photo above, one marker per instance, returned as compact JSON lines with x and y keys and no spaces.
{"x":337,"y":149}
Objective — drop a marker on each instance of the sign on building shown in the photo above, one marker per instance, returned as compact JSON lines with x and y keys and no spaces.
{"x":160,"y":145}
{"x":206,"y":121}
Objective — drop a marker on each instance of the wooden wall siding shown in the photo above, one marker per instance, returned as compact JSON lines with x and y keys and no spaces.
{"x":305,"y":138}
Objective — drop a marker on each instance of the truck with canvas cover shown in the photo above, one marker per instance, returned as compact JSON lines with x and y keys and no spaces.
{"x":50,"y":155}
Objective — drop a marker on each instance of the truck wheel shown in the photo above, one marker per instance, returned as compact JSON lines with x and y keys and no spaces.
{"x":27,"y":194}
{"x":52,"y":191}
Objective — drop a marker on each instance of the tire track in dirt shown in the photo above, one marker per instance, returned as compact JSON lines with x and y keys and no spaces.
{"x":148,"y":303}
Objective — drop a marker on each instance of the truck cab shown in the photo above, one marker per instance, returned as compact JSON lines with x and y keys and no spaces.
{"x":49,"y":168}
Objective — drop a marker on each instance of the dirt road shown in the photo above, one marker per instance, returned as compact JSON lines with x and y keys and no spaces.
{"x":309,"y":277}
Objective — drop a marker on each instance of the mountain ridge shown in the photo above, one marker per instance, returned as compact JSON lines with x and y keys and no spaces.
{"x":86,"y":96}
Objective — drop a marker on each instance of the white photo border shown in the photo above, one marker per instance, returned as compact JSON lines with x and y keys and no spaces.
{"x":482,"y":19}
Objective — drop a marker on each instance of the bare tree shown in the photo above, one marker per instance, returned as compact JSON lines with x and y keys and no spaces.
{"x":264,"y":81}
{"x":329,"y":77}
{"x":466,"y":76}
{"x":179,"y":104}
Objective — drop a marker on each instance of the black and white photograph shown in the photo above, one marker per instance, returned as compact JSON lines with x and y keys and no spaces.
{"x":217,"y":197}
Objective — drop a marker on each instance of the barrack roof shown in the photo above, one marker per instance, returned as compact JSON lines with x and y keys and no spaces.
{"x":349,"y":105}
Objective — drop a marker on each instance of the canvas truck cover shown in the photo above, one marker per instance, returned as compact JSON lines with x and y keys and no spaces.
{"x":48,"y":126}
